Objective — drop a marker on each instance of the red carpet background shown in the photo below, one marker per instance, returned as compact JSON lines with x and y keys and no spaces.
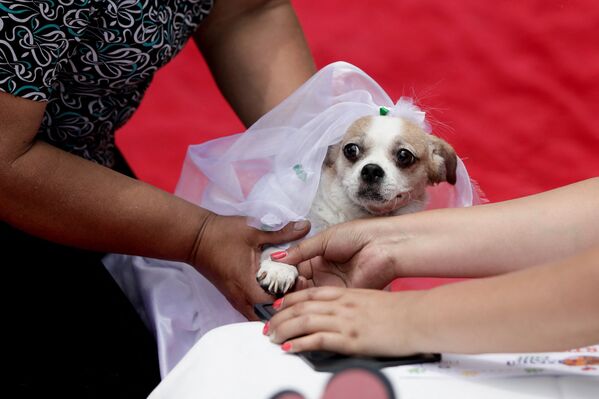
{"x":513,"y":85}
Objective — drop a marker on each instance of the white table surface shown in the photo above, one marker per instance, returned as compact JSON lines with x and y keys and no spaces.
{"x":237,"y":361}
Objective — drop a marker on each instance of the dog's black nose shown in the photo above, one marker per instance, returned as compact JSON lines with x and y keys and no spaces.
{"x":372,"y":173}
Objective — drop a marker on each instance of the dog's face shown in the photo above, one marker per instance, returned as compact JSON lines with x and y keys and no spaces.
{"x":384,"y":163}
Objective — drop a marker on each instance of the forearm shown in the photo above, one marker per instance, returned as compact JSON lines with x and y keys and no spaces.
{"x":63,"y":198}
{"x":497,"y":238}
{"x":257,"y":53}
{"x":546,"y":308}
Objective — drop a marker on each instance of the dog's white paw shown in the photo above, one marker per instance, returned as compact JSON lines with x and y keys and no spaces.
{"x":276,"y":277}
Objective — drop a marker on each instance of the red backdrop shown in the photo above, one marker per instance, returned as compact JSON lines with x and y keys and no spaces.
{"x":513,"y":85}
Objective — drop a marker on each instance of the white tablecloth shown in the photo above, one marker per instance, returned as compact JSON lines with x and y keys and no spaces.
{"x":236,"y":361}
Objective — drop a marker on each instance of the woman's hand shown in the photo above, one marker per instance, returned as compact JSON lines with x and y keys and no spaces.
{"x":545,"y":308}
{"x":348,"y":321}
{"x":228,"y":254}
{"x":358,"y":254}
{"x":479,"y":241}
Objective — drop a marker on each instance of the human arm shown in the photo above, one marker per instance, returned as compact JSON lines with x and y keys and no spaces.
{"x":552,"y":307}
{"x":60,"y":197}
{"x":478,"y":241}
{"x":66,"y":199}
{"x":256,"y":52}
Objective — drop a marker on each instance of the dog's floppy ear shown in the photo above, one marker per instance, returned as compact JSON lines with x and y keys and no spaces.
{"x":332,"y":154}
{"x":443,"y":161}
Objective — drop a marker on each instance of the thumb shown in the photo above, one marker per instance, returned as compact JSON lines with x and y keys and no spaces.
{"x":291,"y":232}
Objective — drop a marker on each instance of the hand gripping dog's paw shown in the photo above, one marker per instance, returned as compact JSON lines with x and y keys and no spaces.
{"x":276,"y":278}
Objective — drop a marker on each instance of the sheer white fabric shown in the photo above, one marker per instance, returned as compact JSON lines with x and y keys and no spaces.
{"x":270,"y":174}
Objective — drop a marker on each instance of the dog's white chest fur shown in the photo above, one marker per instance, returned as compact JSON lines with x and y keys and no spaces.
{"x":331,"y":205}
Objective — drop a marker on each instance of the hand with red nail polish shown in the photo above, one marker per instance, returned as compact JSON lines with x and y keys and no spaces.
{"x":493,"y":314}
{"x":353,"y":254}
{"x":512,"y":244}
{"x":228,"y":254}
{"x":349,"y":321}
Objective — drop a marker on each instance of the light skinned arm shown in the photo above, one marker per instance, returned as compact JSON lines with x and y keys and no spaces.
{"x":552,"y":307}
{"x":257,"y":53}
{"x":479,"y":241}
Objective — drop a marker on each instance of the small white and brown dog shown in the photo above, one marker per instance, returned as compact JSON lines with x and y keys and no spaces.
{"x":381,"y":167}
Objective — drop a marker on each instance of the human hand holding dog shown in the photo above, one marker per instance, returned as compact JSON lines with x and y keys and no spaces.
{"x":478,"y":241}
{"x":514,"y":241}
{"x":228,"y":254}
{"x":359,"y":254}
{"x":495,"y":314}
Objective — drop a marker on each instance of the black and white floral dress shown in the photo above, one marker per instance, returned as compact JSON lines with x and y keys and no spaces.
{"x":91,"y":60}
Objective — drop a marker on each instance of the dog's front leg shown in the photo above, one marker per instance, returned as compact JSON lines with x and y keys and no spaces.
{"x":275,"y":277}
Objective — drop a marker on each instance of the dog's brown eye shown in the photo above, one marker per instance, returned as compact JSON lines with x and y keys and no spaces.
{"x":351,"y":151}
{"x":405,"y":158}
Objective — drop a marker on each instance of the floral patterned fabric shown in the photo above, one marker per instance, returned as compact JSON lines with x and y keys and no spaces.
{"x":91,"y":61}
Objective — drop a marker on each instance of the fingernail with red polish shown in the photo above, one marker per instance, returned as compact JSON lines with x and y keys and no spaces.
{"x":278,"y":255}
{"x":286,"y":346}
{"x":265,"y":329}
{"x":278,"y":303}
